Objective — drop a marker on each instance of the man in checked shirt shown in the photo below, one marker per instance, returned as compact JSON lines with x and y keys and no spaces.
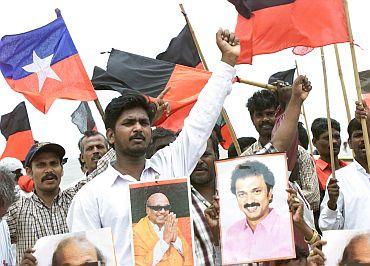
{"x":44,"y":213}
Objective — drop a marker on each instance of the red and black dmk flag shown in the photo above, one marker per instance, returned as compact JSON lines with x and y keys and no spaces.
{"x":365,"y":85}
{"x":150,"y":77}
{"x":269,"y":26}
{"x":83,"y":118}
{"x":16,"y":128}
{"x":182,"y":50}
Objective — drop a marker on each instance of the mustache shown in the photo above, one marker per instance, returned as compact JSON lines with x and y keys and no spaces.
{"x":137,"y":135}
{"x":267,"y":124}
{"x":253,"y":204}
{"x":201,"y":166}
{"x":96,"y":156}
{"x":49,"y":177}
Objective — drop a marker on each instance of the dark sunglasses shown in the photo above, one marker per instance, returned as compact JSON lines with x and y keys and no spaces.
{"x":158,"y":207}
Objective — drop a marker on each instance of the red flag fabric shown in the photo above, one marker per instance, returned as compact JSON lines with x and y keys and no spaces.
{"x":310,"y":23}
{"x":16,"y":129}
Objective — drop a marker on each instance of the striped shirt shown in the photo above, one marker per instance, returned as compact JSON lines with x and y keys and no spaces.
{"x":30,"y":219}
{"x":203,"y":238}
{"x":6,"y":256}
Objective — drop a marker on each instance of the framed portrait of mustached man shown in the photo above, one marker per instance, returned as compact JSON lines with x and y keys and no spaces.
{"x":255,"y":222}
{"x":161,"y":223}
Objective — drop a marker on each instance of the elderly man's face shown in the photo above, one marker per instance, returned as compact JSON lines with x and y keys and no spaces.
{"x":77,"y":253}
{"x":253,"y":198}
{"x":158,"y":208}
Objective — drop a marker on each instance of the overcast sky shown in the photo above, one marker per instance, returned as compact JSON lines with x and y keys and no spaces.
{"x":146,"y":27}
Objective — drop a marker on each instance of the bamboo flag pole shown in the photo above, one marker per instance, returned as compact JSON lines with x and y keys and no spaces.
{"x":223,"y":111}
{"x":343,"y":85}
{"x":358,"y":84}
{"x":330,"y":131}
{"x":305,"y":118}
{"x":257,"y":84}
{"x":100,"y":109}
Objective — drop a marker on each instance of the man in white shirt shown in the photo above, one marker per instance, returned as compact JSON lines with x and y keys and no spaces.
{"x":127,"y":120}
{"x":157,"y":239}
{"x":346,"y":204}
{"x":7,"y":196}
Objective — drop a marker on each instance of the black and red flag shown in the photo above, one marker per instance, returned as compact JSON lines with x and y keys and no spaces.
{"x":268,"y":26}
{"x":182,"y":50}
{"x":83,"y":119}
{"x":16,"y":128}
{"x":150,"y":77}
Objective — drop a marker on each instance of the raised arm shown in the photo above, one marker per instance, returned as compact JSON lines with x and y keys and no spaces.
{"x":284,"y":134}
{"x":184,"y":153}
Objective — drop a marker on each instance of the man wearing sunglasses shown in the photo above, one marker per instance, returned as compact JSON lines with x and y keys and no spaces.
{"x":157,"y":239}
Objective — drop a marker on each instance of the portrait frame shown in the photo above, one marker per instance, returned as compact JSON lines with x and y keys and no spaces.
{"x":102,"y":239}
{"x":178,"y":192}
{"x":232,"y":218}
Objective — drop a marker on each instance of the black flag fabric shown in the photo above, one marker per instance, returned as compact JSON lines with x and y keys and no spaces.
{"x":246,"y":7}
{"x":286,"y":76}
{"x":16,"y":128}
{"x":83,"y":119}
{"x":182,"y":50}
{"x":102,"y":80}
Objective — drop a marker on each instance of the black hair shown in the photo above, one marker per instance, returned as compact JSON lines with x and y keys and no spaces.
{"x":252,"y":168}
{"x":262,"y":100}
{"x":320,"y":126}
{"x":244,"y":142}
{"x":353,"y":125}
{"x":90,"y":133}
{"x":302,"y":136}
{"x":159,"y":133}
{"x":126,"y":102}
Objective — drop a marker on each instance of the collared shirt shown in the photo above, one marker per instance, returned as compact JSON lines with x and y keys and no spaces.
{"x":109,"y":207}
{"x":242,"y":244}
{"x":6,"y":255}
{"x":30,"y":219}
{"x":353,"y":204}
{"x":307,"y":174}
{"x":323,"y":170}
{"x":203,"y":238}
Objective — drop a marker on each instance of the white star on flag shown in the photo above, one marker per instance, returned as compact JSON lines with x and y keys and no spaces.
{"x":41,"y":66}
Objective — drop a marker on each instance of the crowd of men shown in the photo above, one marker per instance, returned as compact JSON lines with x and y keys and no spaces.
{"x":131,"y":151}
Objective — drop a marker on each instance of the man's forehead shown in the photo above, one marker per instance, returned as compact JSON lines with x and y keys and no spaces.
{"x":134,"y":113}
{"x":250,"y":181}
{"x":95,"y":138}
{"x":158,"y":198}
{"x":45,"y":155}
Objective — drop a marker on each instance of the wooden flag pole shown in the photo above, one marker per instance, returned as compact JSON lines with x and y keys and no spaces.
{"x":358,"y":84}
{"x":343,"y":85}
{"x":100,"y":108}
{"x":257,"y":84}
{"x":330,"y":130}
{"x":223,"y":111}
{"x":305,"y":118}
